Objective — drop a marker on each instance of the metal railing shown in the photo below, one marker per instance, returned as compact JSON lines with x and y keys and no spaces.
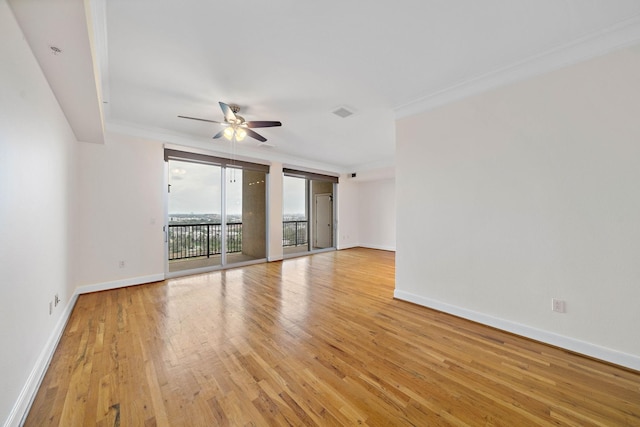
{"x":202,"y":240}
{"x":295,"y":233}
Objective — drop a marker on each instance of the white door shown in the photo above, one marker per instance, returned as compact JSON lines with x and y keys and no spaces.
{"x":323,"y":229}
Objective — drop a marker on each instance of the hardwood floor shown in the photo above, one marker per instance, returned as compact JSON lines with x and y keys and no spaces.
{"x":316,"y":340}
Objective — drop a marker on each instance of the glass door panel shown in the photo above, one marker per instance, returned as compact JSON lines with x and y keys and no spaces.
{"x":195,"y":216}
{"x":295,"y":218}
{"x":246,"y":215}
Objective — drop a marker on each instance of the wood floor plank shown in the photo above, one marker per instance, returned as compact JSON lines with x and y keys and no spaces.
{"x":313,"y":341}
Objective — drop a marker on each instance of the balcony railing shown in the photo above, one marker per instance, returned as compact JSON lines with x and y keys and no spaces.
{"x":294,"y":233}
{"x":202,"y":240}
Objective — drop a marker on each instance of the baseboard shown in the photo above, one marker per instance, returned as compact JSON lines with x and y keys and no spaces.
{"x":588,"y":349}
{"x":25,"y":399}
{"x":380,"y":247}
{"x":133,"y":281}
{"x":350,"y":246}
{"x":28,"y":393}
{"x":359,"y":245}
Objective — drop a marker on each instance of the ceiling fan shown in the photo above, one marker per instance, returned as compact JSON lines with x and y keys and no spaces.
{"x":236,"y":125}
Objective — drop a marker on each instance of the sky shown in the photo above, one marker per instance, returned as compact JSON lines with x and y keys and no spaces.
{"x":196,"y":188}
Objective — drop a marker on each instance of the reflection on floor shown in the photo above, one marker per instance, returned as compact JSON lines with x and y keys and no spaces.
{"x":234,"y":258}
{"x":212,"y":261}
{"x":300,"y":249}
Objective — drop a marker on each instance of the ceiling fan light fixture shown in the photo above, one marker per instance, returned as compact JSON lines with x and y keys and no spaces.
{"x":240,"y":134}
{"x":236,"y":128}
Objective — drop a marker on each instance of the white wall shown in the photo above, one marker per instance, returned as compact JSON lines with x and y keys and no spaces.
{"x":37,"y":214}
{"x":347,"y":211}
{"x":377,"y":218}
{"x":275,"y":251}
{"x":367,"y":212}
{"x":525,"y":193}
{"x":122,"y":212}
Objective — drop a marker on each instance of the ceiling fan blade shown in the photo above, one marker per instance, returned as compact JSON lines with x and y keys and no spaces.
{"x":262,"y":124}
{"x":195,"y":118}
{"x":219,"y":134}
{"x":255,"y":135}
{"x":229,"y":115}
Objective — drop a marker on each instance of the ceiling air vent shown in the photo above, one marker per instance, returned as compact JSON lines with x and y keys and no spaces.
{"x":343,"y":112}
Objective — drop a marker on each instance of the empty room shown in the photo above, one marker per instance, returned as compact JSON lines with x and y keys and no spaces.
{"x":404,"y":213}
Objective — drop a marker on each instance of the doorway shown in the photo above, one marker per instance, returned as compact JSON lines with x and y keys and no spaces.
{"x":323,"y":224}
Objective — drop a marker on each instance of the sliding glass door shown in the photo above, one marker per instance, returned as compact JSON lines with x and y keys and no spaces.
{"x":195,"y":215}
{"x":216,"y":212}
{"x":307,"y":212}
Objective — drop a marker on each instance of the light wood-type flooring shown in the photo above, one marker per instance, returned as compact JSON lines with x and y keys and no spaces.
{"x":316,"y":340}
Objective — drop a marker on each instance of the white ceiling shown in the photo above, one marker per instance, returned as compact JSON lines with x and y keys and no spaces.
{"x":297,"y":61}
{"x":71,"y":73}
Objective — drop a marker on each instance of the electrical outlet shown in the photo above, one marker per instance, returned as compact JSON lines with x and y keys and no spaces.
{"x":56,"y":300}
{"x":121,"y":264}
{"x":558,"y":305}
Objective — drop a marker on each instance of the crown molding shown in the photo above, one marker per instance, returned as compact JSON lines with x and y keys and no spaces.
{"x":250,"y":154}
{"x":618,"y":36}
